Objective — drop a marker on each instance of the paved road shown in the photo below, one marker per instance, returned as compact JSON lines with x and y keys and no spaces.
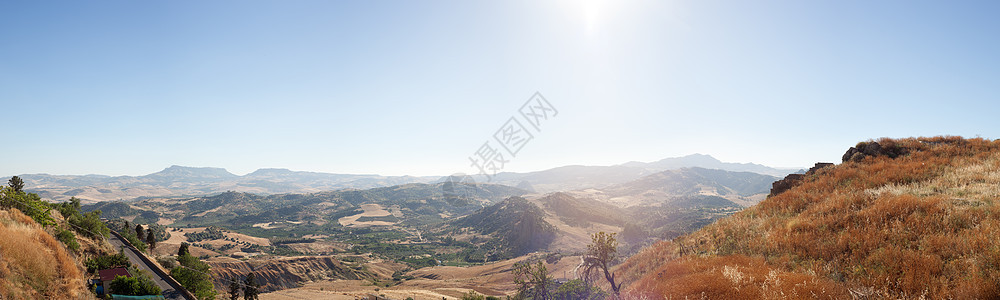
{"x":168,"y":291}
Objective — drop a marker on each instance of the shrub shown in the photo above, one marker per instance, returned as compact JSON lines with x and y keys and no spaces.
{"x":472,"y":295}
{"x":137,"y":285}
{"x":132,"y":239}
{"x":89,"y":224}
{"x":578,"y":290}
{"x":68,"y":239}
{"x":168,"y":262}
{"x":106,"y":262}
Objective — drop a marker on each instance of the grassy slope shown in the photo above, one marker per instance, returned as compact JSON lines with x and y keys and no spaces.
{"x":33,"y":264}
{"x":924,"y":223}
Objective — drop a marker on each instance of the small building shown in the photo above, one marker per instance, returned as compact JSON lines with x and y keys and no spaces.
{"x":108,"y":275}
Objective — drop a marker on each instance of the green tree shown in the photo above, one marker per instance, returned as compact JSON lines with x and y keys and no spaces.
{"x":69,"y":208}
{"x":106,"y":262}
{"x":138,"y":285}
{"x":197,"y":283}
{"x":88,"y":224}
{"x":28,"y":203}
{"x":251,"y":288}
{"x":601,"y":255}
{"x":183,"y":250}
{"x":132,"y":239}
{"x":139,"y":232}
{"x":150,"y":239}
{"x":577,"y":289}
{"x":234,"y":289}
{"x":193,"y":274}
{"x":16,"y":184}
{"x":532,"y":280}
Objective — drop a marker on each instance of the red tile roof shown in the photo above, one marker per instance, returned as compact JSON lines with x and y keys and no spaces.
{"x":109,"y":274}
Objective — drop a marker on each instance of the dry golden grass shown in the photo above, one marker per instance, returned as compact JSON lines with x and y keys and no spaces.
{"x":921,"y":225}
{"x":33,"y":264}
{"x":732,"y":277}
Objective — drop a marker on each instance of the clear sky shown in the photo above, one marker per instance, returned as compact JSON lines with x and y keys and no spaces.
{"x":415,"y":87}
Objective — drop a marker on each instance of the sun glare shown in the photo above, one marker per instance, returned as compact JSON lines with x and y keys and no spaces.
{"x":592,"y":13}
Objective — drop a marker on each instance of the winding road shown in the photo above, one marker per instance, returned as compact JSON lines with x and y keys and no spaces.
{"x":169,"y":291}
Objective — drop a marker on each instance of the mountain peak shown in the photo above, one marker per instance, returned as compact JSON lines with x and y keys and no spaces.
{"x":697,"y":157}
{"x":271,"y":171}
{"x":708,"y":162}
{"x":200,"y":172}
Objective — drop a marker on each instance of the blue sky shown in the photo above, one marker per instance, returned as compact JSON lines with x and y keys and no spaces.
{"x":415,"y":87}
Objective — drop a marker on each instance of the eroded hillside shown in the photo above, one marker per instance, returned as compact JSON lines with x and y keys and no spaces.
{"x":286,"y":272}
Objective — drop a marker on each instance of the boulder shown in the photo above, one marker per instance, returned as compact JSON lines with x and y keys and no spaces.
{"x":793,"y":180}
{"x":865,"y":149}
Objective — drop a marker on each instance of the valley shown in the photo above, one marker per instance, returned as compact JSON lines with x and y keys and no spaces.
{"x":423,"y":240}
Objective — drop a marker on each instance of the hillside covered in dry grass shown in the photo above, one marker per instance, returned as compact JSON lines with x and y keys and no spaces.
{"x":919,"y":220}
{"x":33,"y":264}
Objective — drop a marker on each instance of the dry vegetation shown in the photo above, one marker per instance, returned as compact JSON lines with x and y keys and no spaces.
{"x":923,"y":224}
{"x":33,"y":264}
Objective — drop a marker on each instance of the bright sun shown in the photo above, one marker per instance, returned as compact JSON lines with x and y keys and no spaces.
{"x":592,"y":13}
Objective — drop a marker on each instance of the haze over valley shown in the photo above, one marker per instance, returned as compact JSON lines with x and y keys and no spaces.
{"x":199,"y":181}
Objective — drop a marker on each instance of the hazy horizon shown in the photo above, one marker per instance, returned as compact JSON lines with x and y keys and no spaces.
{"x":369,"y":173}
{"x":414,"y":88}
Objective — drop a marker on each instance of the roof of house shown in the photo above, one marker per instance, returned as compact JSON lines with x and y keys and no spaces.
{"x":109,"y":274}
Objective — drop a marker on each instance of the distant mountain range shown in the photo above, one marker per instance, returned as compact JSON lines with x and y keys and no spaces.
{"x":709,"y":162}
{"x":200,"y":181}
{"x":582,"y":177}
{"x":742,"y":188}
{"x":190,"y":181}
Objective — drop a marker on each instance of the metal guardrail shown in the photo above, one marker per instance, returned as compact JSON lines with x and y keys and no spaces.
{"x":170,"y":280}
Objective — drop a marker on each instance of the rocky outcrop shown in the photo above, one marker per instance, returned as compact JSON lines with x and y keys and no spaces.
{"x":283,"y":273}
{"x":793,"y":180}
{"x":865,"y":149}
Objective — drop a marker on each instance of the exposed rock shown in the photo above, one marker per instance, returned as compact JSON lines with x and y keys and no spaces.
{"x":785,"y":184}
{"x":792,"y":180}
{"x":818,"y":166}
{"x":865,"y":149}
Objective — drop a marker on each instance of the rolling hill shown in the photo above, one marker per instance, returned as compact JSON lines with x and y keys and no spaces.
{"x":417,"y":203}
{"x":513,"y":228}
{"x":662,"y":205}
